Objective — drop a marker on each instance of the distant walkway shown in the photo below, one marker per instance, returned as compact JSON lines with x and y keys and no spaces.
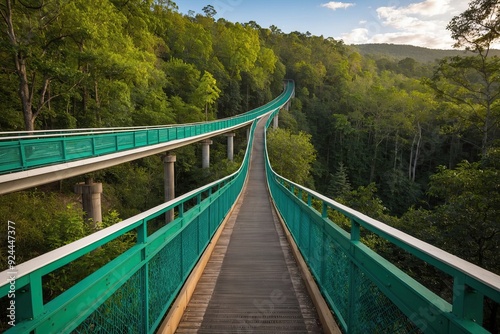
{"x":251,"y":283}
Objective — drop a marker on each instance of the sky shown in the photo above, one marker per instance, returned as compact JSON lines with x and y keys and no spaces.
{"x":420,"y":23}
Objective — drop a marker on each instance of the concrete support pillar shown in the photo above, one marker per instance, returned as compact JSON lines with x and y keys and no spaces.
{"x":230,"y":146}
{"x":205,"y":153}
{"x":287,"y":106}
{"x":91,"y":199}
{"x":169,"y":184}
{"x":275,"y":121}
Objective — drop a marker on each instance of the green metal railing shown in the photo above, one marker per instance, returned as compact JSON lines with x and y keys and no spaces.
{"x":23,"y":150}
{"x":132,"y":293}
{"x":367,"y":293}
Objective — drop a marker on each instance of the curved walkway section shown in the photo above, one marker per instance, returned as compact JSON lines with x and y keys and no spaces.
{"x":255,"y":287}
{"x":31,"y":159}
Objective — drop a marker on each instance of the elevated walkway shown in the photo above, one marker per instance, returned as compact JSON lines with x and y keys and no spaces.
{"x":251,"y":283}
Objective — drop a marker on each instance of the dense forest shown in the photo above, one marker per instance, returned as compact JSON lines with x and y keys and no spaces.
{"x":412,"y":143}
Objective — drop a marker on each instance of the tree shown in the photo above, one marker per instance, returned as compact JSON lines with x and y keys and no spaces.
{"x":474,"y":81}
{"x":207,"y":92}
{"x":470,"y":211}
{"x":36,"y":38}
{"x":209,"y":11}
{"x":474,"y":84}
{"x":291,"y":155}
{"x":237,"y":47}
{"x":339,"y":184}
{"x":478,"y":27}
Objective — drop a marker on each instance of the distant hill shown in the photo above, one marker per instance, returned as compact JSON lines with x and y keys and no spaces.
{"x":396,"y":51}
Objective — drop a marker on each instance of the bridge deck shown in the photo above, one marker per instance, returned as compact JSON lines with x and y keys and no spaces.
{"x":251,"y":283}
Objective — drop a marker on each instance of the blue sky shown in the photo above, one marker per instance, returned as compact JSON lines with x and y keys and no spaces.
{"x":420,"y":23}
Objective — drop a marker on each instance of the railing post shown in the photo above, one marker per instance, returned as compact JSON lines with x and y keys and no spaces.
{"x":63,"y":149}
{"x":353,"y":272}
{"x":22,"y":154}
{"x":142,"y":236}
{"x":29,"y":299}
{"x":467,"y":302}
{"x":181,"y":210}
{"x":324,"y":210}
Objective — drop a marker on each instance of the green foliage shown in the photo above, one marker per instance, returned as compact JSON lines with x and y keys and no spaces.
{"x":339,"y":184}
{"x":43,"y":222}
{"x":477,"y":27}
{"x":132,"y":188}
{"x":470,"y":212}
{"x":473,"y":84}
{"x":291,"y":155}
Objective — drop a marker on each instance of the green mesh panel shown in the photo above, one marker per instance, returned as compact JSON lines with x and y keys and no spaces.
{"x":213,"y":220}
{"x":296,"y":220}
{"x":304,"y":234}
{"x":165,"y":275}
{"x":203,"y":230}
{"x":315,"y":255}
{"x":10,"y":157}
{"x":336,"y":271}
{"x":152,"y":137}
{"x":190,"y":246}
{"x":105,"y":144}
{"x":374,"y":312}
{"x":48,"y":152}
{"x":122,"y":312}
{"x":125,"y":140}
{"x":141,"y":138}
{"x":78,"y":148}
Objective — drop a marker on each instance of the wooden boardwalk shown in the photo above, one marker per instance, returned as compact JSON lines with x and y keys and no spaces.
{"x":251,"y":283}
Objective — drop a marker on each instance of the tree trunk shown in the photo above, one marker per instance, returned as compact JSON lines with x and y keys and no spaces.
{"x":410,"y":164}
{"x":98,"y":105}
{"x":417,"y":151}
{"x":24,"y":94}
{"x":396,"y":149}
{"x":20,"y":62}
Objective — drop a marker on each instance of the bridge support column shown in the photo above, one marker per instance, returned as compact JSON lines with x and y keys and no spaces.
{"x":205,"y":153}
{"x":275,"y":121}
{"x":230,"y":146}
{"x":169,"y":184}
{"x":91,"y":200}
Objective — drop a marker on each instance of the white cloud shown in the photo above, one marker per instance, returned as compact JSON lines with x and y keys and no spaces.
{"x":357,"y":36}
{"x":421,"y":23}
{"x":333,"y":5}
{"x":427,"y":8}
